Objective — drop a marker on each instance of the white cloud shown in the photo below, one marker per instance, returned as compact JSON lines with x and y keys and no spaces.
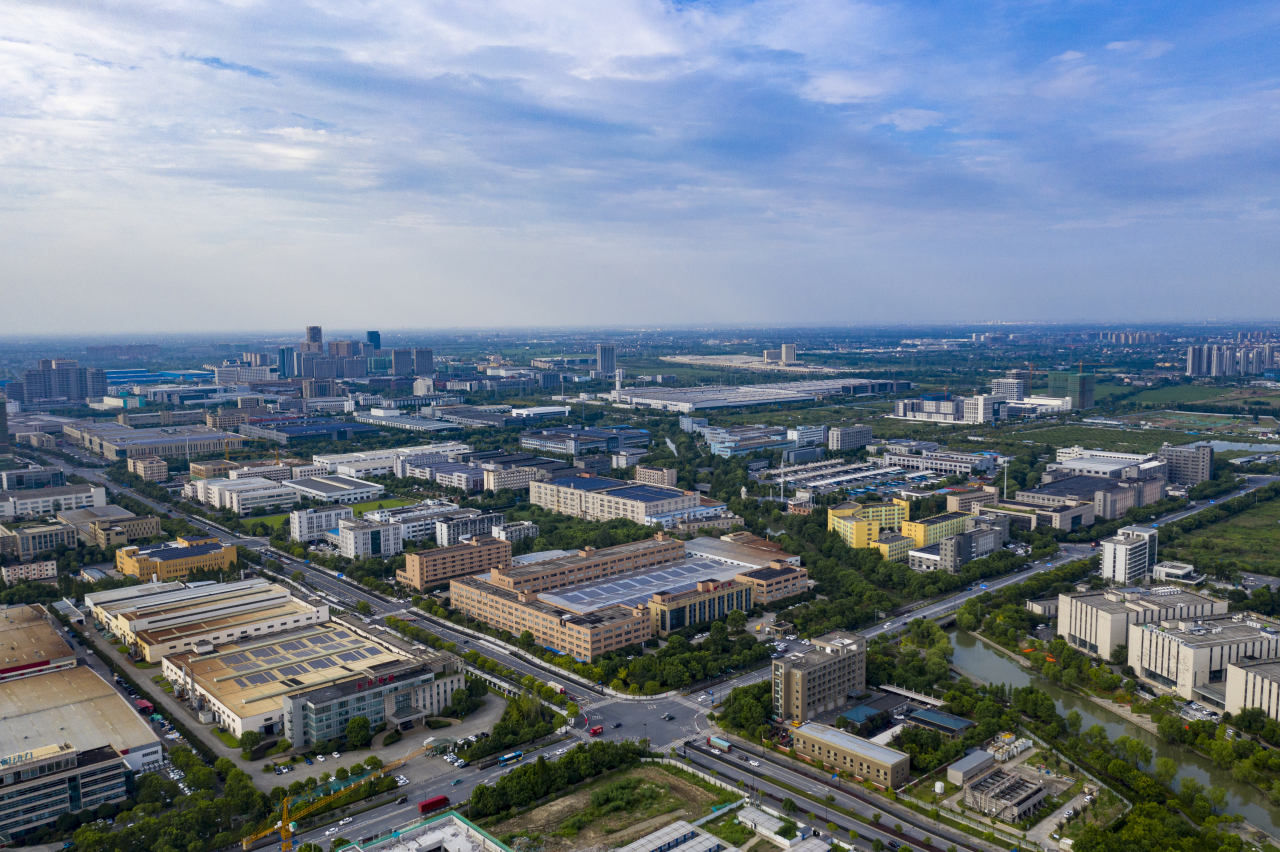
{"x":1144,"y":49}
{"x":1068,"y":56}
{"x":913,"y":119}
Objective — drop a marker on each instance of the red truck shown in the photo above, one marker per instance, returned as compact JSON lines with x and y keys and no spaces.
{"x":435,"y":803}
{"x":596,"y":731}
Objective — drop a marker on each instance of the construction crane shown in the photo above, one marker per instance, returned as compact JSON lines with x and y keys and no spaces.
{"x":298,"y":807}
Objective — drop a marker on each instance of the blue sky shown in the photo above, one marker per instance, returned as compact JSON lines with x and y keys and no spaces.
{"x":251,"y":164}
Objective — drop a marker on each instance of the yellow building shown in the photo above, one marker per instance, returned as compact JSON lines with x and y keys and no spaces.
{"x":175,"y":560}
{"x":894,"y":547}
{"x":929,"y":531}
{"x":860,"y":524}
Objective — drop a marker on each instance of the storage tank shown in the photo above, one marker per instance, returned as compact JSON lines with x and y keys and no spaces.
{"x":939,"y":787}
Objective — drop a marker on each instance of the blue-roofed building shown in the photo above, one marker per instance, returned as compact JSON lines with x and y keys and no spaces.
{"x":862,"y":713}
{"x":943,"y":723}
{"x":297,"y":430}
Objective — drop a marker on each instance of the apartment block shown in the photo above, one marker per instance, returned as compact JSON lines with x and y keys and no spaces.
{"x":428,"y":568}
{"x":1099,"y":622}
{"x":821,"y":679}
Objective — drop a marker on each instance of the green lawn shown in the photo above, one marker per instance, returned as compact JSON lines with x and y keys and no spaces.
{"x":1180,"y":393}
{"x":1250,"y":539}
{"x":387,"y":503}
{"x":227,"y":738}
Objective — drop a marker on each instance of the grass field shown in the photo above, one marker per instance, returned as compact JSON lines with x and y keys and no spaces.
{"x":1119,"y":440}
{"x":1250,"y":539}
{"x":1180,"y":393}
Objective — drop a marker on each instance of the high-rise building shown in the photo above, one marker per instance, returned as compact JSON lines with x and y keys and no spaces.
{"x":4,"y":424}
{"x":1078,"y":386}
{"x":63,"y":378}
{"x":284,"y":361}
{"x":788,"y":353}
{"x":373,"y":340}
{"x":1011,"y":389}
{"x":822,"y":679}
{"x":313,"y":339}
{"x":343,"y":348}
{"x":1127,"y":557}
{"x":401,"y":362}
{"x":848,"y":437}
{"x":606,"y":358}
{"x":423,"y":362}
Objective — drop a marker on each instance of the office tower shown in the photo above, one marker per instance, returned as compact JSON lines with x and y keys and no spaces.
{"x":63,"y":379}
{"x":304,"y":364}
{"x":401,"y":362}
{"x":1078,"y":386}
{"x":788,"y":353}
{"x":313,"y":340}
{"x":1128,"y":556}
{"x":4,"y":424}
{"x":424,"y":362}
{"x":373,"y":339}
{"x":353,"y":368}
{"x":1023,"y":376}
{"x":324,"y":368}
{"x":284,"y":361}
{"x":606,"y":358}
{"x":1011,"y":389}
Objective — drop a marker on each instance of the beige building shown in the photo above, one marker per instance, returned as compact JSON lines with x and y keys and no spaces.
{"x":477,"y":555}
{"x":600,"y":499}
{"x":971,"y":501}
{"x":46,"y":570}
{"x":150,"y":468}
{"x":821,"y":679}
{"x":1254,"y":684}
{"x":226,"y":418}
{"x":1190,"y":656}
{"x":214,"y":469}
{"x":776,"y":581}
{"x":863,"y":759}
{"x":156,"y":626}
{"x":33,"y":646}
{"x":111,"y":526}
{"x":656,"y":475}
{"x":583,"y":636}
{"x":589,"y":564}
{"x":1098,"y":622}
{"x":26,"y":542}
{"x":707,"y":601}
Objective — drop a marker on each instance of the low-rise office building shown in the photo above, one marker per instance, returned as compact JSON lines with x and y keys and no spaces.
{"x":24,"y":571}
{"x":1098,"y":622}
{"x":774,"y":582}
{"x":1253,"y":684}
{"x":821,"y":679}
{"x":428,"y":568}
{"x":111,"y":526}
{"x":418,"y":521}
{"x":1128,"y":556}
{"x":708,"y":600}
{"x":359,"y":538}
{"x":599,"y":499}
{"x":1188,"y":465}
{"x":515,"y":531}
{"x":647,"y":475}
{"x":32,"y":477}
{"x":1189,"y":656}
{"x":831,"y":747}
{"x":175,"y":560}
{"x":971,"y":501}
{"x":38,"y":502}
{"x":150,"y":468}
{"x":589,"y":564}
{"x":741,"y":549}
{"x":848,"y":437}
{"x":26,"y":541}
{"x":451,"y":529}
{"x":860,"y":524}
{"x":311,"y":524}
{"x":927,"y":531}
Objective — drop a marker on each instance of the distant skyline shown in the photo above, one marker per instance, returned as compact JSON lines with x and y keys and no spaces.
{"x":196,"y":167}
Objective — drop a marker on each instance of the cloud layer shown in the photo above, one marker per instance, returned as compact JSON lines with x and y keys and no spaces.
{"x":636,"y":161}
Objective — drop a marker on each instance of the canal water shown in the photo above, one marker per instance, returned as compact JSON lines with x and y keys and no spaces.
{"x":978,"y":659}
{"x":1224,"y":446}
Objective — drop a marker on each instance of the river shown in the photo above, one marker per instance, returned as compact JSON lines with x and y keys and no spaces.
{"x":982,"y":662}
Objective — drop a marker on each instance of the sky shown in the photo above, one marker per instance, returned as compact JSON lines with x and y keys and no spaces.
{"x":179,"y":165}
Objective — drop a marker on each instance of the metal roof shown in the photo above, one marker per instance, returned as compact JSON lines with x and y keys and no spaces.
{"x":635,"y":587}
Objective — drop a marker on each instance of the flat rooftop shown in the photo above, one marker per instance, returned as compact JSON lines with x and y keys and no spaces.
{"x":169,"y":550}
{"x":29,"y":639}
{"x":99,"y":513}
{"x":588,"y":483}
{"x":331,"y":484}
{"x":837,"y":738}
{"x":148,"y":598}
{"x":71,"y":705}
{"x":250,"y":678}
{"x":1269,"y":669}
{"x":731,"y":551}
{"x":571,"y":559}
{"x":1218,"y":630}
{"x":1164,"y":597}
{"x":942,"y":519}
{"x":280,"y":611}
{"x":1080,"y":486}
{"x":128,"y":593}
{"x":540,"y":556}
{"x":636,"y":587}
{"x":606,"y":615}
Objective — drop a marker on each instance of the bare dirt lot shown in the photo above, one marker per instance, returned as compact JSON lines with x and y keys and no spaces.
{"x":680,"y":800}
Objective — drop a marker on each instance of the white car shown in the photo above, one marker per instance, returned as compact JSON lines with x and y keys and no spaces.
{"x":715,"y":751}
{"x":754,"y":762}
{"x":345,"y":820}
{"x":320,"y":757}
{"x":336,"y":755}
{"x":401,"y":782}
{"x":333,"y":830}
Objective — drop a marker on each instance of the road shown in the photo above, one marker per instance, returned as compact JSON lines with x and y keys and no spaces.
{"x":621,"y":718}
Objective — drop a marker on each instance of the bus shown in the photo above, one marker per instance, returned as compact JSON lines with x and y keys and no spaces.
{"x":508,"y":759}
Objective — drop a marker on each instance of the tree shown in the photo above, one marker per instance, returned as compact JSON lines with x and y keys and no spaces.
{"x":358,"y":735}
{"x":250,"y":739}
{"x":1120,"y":655}
{"x":1218,"y":798}
{"x":789,"y":805}
{"x":1166,"y":771}
{"x":477,"y":688}
{"x":342,"y":774}
{"x":1074,"y":719}
{"x":299,"y":577}
{"x":737,"y":620}
{"x":363,"y":608}
{"x":373,"y":762}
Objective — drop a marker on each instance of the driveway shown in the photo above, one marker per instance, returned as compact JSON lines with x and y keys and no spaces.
{"x":1041,"y":831}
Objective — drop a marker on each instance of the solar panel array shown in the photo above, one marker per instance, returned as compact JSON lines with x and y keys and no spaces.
{"x":338,"y":647}
{"x":635,"y":588}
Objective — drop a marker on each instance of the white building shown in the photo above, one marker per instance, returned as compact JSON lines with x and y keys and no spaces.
{"x":331,"y":461}
{"x":240,"y":495}
{"x":418,"y":521}
{"x":361,"y":539}
{"x":515,"y":531}
{"x":848,"y":437}
{"x":1190,"y":656}
{"x":1011,"y":389}
{"x":336,"y":489}
{"x":981,"y":408}
{"x":1128,"y":556}
{"x":807,"y":436}
{"x":466,"y":523}
{"x":29,"y":571}
{"x":1098,"y":622}
{"x":50,"y":501}
{"x":311,"y":524}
